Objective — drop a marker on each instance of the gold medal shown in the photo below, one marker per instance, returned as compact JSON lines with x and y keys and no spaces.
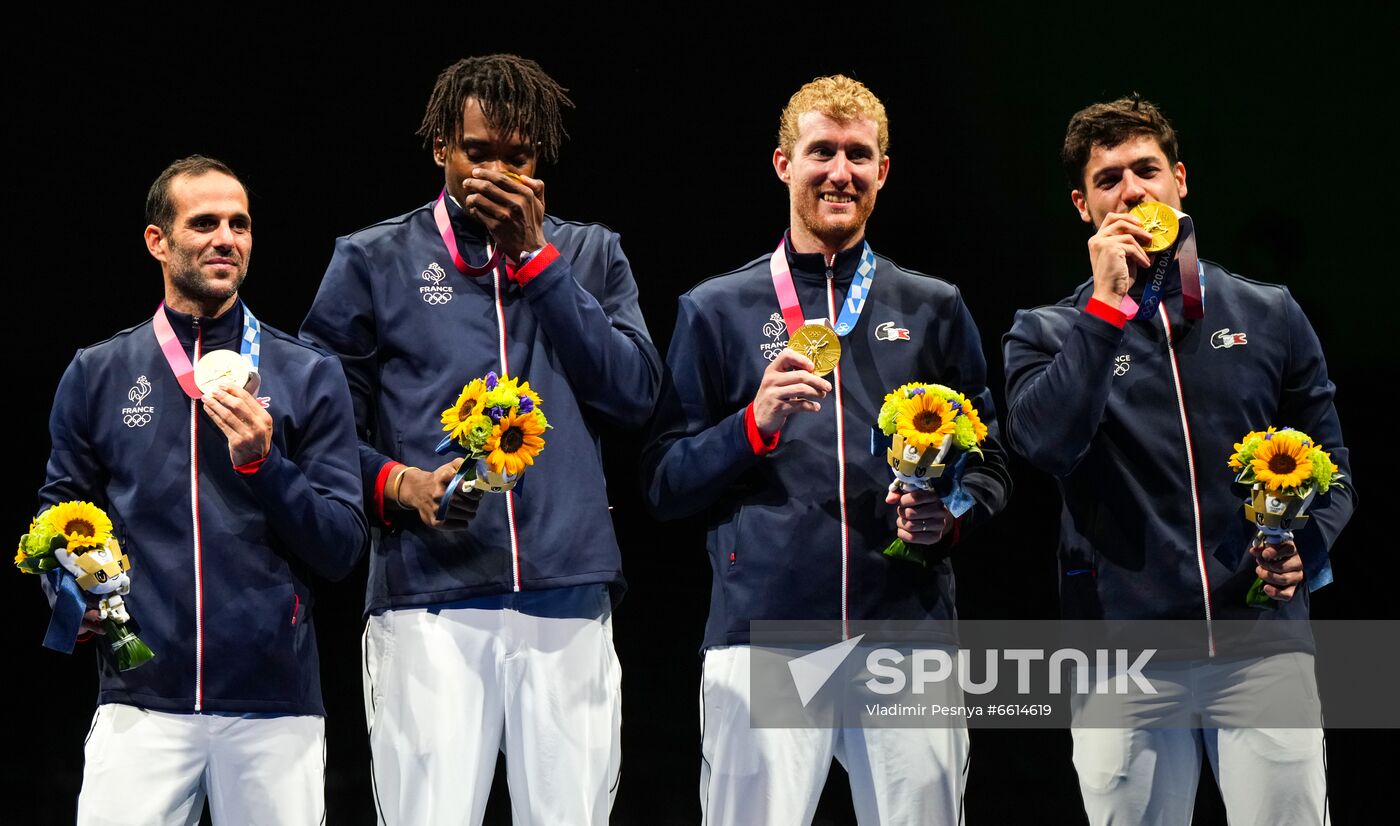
{"x":818,"y":343}
{"x":222,"y":367}
{"x":1158,"y":219}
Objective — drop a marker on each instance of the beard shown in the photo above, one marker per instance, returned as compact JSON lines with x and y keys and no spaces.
{"x":191,"y":282}
{"x":839,"y":234}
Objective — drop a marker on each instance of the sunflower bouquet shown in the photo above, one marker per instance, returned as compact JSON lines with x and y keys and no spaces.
{"x":72,"y":543}
{"x":1285,"y":470}
{"x":932,"y":429}
{"x":497,"y":423}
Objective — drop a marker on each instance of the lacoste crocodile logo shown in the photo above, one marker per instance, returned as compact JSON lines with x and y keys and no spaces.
{"x":889,"y":332}
{"x":1223,"y":339}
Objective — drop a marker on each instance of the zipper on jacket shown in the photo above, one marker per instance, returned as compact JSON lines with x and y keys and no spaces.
{"x":198,"y":555}
{"x":840,"y":461}
{"x":1195,"y":493}
{"x":505,"y":371}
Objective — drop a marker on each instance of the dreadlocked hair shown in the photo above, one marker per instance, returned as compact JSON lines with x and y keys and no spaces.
{"x":516,"y":96}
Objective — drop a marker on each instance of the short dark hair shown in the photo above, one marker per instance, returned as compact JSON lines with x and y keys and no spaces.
{"x":1110,"y":124}
{"x":160,"y":210}
{"x":516,"y":97}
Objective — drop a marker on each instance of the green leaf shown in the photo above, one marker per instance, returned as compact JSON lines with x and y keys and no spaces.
{"x":898,"y":549}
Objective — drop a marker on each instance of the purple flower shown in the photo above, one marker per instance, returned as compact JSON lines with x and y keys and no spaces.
{"x":492,"y":380}
{"x":917,"y":391}
{"x":495,"y":413}
{"x":956,"y":405}
{"x":526,"y":404}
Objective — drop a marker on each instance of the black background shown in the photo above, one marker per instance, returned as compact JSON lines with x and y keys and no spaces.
{"x":1284,"y":114}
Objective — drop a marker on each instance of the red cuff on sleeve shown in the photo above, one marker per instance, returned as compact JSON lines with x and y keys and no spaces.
{"x":379,"y":482}
{"x":251,"y":467}
{"x":1107,"y":312}
{"x":536,"y":265}
{"x":956,"y":536}
{"x":759,"y":445}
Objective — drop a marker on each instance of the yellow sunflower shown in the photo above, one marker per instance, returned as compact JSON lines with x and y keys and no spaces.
{"x":514,"y":443}
{"x":82,"y":524}
{"x":978,"y":429}
{"x":1244,"y":448}
{"x":924,"y":420}
{"x":1281,"y":462}
{"x":470,"y":403}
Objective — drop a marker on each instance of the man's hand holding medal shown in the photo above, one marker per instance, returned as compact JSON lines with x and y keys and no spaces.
{"x":1156,"y":238}
{"x":1116,"y":252}
{"x":229,"y":383}
{"x":791,"y":384}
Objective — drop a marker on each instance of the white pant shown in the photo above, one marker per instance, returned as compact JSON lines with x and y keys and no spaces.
{"x":534,"y":676}
{"x":1148,"y":776}
{"x":153,"y":767}
{"x":775,"y":776}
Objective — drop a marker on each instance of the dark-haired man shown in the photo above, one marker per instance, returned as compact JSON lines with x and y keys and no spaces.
{"x":490,"y":630}
{"x":798,"y":506}
{"x":1131,"y":392}
{"x":227,"y":496}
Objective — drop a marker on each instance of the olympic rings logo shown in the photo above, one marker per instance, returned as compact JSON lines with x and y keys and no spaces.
{"x":437,"y":298}
{"x":136,"y":419}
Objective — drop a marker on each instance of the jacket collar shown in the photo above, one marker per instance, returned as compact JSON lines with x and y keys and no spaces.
{"x":812,"y":265}
{"x":217,"y":332}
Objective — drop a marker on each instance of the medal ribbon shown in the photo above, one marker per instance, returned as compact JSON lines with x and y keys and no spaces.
{"x":249,"y":346}
{"x":1193,"y":290}
{"x":449,"y":238}
{"x":850,"y":308}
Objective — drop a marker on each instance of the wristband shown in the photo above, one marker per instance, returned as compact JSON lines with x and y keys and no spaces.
{"x":396,"y":485}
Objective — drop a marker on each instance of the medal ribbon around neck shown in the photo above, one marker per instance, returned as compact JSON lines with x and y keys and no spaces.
{"x":449,"y":238}
{"x":851,"y":308}
{"x":1193,"y":290}
{"x":249,"y":346}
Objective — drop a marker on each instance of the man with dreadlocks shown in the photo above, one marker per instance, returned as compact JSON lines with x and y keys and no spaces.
{"x":490,"y":629}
